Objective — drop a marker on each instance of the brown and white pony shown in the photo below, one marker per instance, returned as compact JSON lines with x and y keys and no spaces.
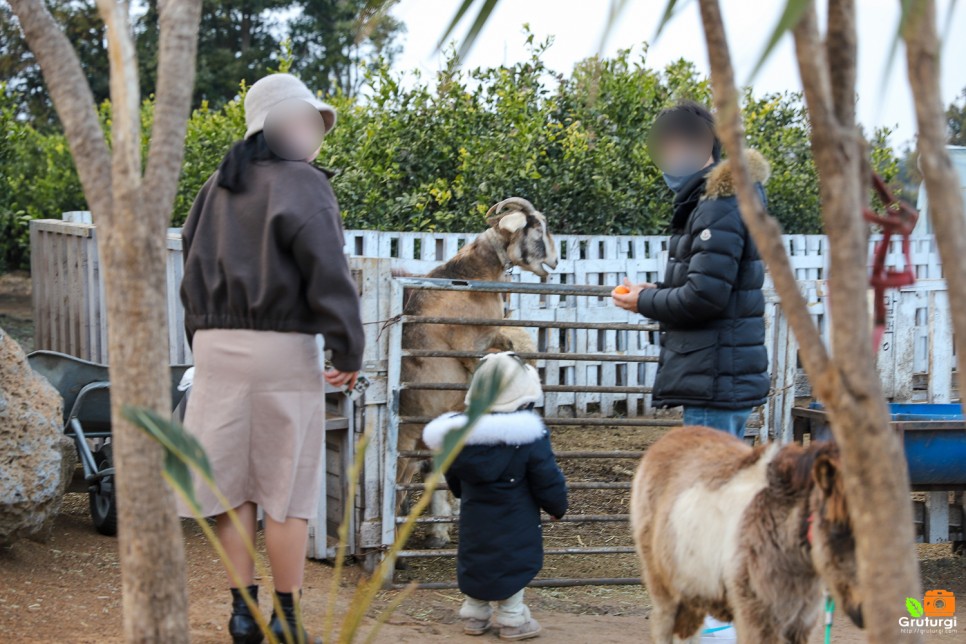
{"x":748,"y":535}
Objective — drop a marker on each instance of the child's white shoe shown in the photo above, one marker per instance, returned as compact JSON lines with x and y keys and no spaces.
{"x":473,"y":626}
{"x":529,"y":629}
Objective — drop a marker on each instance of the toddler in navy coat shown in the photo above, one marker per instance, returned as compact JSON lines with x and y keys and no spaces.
{"x":503,"y":477}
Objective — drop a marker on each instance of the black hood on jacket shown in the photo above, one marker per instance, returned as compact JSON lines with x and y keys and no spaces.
{"x":688,"y":197}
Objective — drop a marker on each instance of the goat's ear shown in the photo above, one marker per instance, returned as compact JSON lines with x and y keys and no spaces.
{"x":513,"y":222}
{"x":824,"y":472}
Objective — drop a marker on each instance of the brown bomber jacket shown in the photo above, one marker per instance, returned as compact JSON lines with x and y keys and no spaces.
{"x":271,"y":258}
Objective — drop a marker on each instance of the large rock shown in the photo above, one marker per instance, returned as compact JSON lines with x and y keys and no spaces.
{"x":36,"y":459}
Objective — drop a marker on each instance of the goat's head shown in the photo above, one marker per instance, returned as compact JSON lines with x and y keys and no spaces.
{"x":525,"y":235}
{"x":829,"y":531}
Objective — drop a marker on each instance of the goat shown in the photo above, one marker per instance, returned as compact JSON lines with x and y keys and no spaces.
{"x":745,"y":535}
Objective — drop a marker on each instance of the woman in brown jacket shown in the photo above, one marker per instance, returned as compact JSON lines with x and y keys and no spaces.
{"x":264,"y":274}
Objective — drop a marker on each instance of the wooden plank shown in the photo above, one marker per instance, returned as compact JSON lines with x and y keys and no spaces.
{"x":84,"y":296}
{"x":45,"y":340}
{"x":101,"y":309}
{"x":886,"y":356}
{"x":937,"y":517}
{"x":72,"y":323}
{"x":78,"y":303}
{"x":172,"y":284}
{"x":774,"y":427}
{"x":62,"y":280}
{"x":39,"y":282}
{"x":389,"y":455}
{"x":941,"y":360}
{"x":904,"y":340}
{"x":318,"y":532}
{"x":788,"y":384}
{"x":56,"y":291}
{"x":92,"y":295}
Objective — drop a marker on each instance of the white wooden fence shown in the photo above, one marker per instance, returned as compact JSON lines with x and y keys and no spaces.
{"x":916,"y":360}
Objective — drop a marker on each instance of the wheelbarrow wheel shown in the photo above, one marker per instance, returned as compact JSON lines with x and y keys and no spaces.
{"x":103,"y":503}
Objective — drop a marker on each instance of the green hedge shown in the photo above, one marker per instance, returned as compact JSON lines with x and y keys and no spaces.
{"x":433,"y":155}
{"x":37,"y":180}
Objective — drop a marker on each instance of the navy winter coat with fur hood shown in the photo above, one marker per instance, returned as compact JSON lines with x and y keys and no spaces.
{"x":710,"y":304}
{"x":503,"y":477}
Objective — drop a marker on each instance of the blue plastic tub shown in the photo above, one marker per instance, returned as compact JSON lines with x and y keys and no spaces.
{"x":937,"y":454}
{"x":934,"y":437}
{"x":924,"y":411}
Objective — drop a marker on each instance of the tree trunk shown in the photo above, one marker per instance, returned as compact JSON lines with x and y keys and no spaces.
{"x":132,"y":218}
{"x":942,"y":180}
{"x":155,"y":603}
{"x":149,"y":536}
{"x":874,"y":465}
{"x":874,"y":468}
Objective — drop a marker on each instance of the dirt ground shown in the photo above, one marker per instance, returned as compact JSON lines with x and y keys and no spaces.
{"x":68,"y":588}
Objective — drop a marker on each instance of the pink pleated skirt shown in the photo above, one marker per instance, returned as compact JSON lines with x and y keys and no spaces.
{"x":257,"y":406}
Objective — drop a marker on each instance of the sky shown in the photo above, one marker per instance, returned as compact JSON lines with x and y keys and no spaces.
{"x":577,"y":25}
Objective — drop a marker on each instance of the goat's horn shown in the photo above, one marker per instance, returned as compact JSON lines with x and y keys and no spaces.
{"x":525,"y":205}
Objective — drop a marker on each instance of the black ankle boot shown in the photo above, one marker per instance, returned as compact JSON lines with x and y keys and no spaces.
{"x":297,"y":634}
{"x":242,"y":625}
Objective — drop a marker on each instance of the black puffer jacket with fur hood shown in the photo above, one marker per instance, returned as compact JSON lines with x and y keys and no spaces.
{"x":710,"y":304}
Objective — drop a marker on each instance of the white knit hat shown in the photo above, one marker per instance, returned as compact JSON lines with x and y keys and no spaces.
{"x":269,"y":91}
{"x":521,"y":383}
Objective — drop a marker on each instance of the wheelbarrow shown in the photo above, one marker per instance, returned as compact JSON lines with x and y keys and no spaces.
{"x":85,"y":388}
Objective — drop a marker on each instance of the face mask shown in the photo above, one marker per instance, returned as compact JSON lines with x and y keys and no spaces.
{"x":676,"y":182}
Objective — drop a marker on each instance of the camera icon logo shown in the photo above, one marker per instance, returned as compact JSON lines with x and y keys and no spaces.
{"x":939,"y":603}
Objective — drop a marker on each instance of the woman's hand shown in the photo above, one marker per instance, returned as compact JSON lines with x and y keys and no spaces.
{"x":341,"y":379}
{"x":626,"y":296}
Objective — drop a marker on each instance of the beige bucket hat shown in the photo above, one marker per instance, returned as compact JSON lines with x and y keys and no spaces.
{"x":274,"y":89}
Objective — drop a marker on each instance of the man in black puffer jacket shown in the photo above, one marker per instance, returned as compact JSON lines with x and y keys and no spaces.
{"x":710,"y":305}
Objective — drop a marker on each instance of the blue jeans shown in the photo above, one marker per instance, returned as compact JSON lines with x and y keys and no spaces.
{"x":727,"y":420}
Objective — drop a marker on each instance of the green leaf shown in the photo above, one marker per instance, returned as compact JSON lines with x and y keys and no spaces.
{"x":673,"y":6}
{"x":182,"y":451}
{"x":914,"y":607}
{"x":463,"y":8}
{"x":477,"y":27}
{"x":905,"y":9}
{"x":949,"y":23}
{"x":614,"y":12}
{"x":794,"y":10}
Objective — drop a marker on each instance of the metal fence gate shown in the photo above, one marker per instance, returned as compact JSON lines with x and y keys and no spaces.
{"x":596,"y":367}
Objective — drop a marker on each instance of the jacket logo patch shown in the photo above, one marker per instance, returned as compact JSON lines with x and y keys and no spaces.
{"x":705,"y":234}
